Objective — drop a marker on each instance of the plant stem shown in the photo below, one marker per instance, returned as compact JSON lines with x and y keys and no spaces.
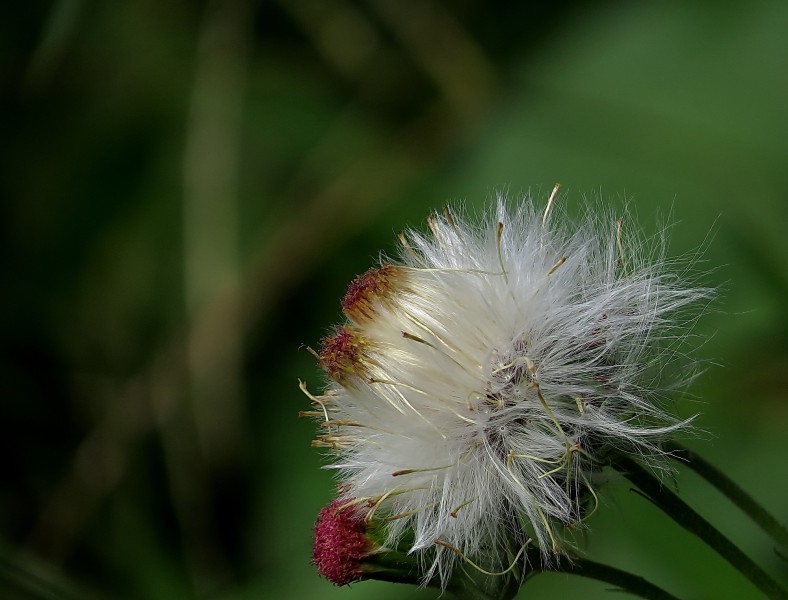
{"x":733,"y":491}
{"x":633,"y":584}
{"x":678,"y":510}
{"x":476,"y":586}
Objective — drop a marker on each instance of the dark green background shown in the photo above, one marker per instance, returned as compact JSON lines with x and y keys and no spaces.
{"x":188,"y":187}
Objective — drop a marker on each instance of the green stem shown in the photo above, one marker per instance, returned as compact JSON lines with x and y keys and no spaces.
{"x":684,"y":515}
{"x":729,"y":488}
{"x":477,"y":586}
{"x":392,"y":566}
{"x":626,"y":581}
{"x":469,"y":583}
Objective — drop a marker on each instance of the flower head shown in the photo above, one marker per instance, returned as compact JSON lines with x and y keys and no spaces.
{"x":480,"y":381}
{"x":340,"y":543}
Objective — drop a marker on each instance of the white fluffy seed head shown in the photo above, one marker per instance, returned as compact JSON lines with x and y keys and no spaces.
{"x":481,"y":380}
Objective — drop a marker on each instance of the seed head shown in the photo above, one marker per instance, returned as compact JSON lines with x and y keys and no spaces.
{"x":482,"y":380}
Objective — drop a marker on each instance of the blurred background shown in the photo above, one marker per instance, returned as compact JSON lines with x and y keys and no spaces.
{"x":188,"y":187}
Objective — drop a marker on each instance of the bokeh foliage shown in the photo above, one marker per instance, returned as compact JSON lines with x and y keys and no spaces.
{"x":187,"y":187}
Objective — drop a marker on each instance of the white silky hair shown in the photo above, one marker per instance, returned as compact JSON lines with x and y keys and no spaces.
{"x":508,"y":357}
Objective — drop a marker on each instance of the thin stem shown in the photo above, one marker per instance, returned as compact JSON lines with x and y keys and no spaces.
{"x":684,"y":515}
{"x":476,"y":587}
{"x":633,"y":584}
{"x":733,"y":491}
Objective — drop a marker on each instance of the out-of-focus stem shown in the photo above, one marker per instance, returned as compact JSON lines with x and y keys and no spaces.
{"x":678,"y":510}
{"x":634,"y":584}
{"x":732,"y":490}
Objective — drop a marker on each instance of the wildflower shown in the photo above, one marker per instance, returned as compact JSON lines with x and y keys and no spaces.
{"x":481,"y":381}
